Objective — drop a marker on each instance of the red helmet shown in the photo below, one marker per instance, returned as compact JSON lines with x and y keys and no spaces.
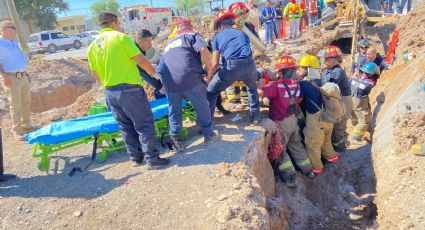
{"x":238,"y":8}
{"x":285,"y":62}
{"x":332,"y":52}
{"x":183,"y":22}
{"x":221,"y":15}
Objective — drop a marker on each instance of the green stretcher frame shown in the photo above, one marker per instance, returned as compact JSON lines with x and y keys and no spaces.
{"x":108,"y":142}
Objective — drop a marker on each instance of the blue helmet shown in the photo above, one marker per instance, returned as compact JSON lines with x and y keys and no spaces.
{"x":364,"y":43}
{"x":370,"y":68}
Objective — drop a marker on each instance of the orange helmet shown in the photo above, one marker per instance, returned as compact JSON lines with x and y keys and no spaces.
{"x":331,"y":52}
{"x":221,"y":15}
{"x":285,"y":62}
{"x":238,"y":8}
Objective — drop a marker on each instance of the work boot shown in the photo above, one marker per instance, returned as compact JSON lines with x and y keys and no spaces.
{"x":318,"y":171}
{"x":333,"y":160}
{"x":178,"y":143}
{"x":291,"y":182}
{"x":156,"y":163}
{"x":211,"y":138}
{"x":136,"y":163}
{"x":222,"y":110}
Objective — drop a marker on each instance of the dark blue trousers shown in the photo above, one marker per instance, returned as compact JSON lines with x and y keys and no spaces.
{"x":130,"y":106}
{"x":198,"y":96}
{"x":242,"y":70}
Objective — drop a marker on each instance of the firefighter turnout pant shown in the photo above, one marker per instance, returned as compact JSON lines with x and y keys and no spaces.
{"x":339,"y":134}
{"x":317,"y":135}
{"x":361,"y":116}
{"x":292,"y":143}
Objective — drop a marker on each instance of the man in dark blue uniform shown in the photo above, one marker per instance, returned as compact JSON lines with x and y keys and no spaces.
{"x":183,"y":76}
{"x":233,"y":46}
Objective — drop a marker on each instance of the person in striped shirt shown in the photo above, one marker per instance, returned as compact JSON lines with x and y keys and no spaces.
{"x":284,"y":95}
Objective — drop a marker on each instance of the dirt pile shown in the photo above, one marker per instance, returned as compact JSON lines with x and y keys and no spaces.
{"x":58,"y":83}
{"x":409,"y":130}
{"x":412,"y":30}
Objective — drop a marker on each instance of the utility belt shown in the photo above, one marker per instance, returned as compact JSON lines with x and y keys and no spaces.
{"x":123,"y":87}
{"x":17,"y":75}
{"x":239,"y":61}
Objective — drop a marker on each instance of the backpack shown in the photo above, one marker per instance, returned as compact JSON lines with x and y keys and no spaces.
{"x":333,"y":109}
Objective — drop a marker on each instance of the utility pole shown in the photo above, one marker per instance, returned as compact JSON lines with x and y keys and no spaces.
{"x":15,"y":18}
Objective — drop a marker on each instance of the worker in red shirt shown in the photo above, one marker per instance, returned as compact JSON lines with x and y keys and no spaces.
{"x":284,"y":95}
{"x":303,"y":5}
{"x":313,"y":12}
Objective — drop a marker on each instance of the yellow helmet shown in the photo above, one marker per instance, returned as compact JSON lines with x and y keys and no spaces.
{"x":310,"y":61}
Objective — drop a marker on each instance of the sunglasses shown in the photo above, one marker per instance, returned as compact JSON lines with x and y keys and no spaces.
{"x":367,"y":74}
{"x":11,"y":27}
{"x":364,"y":47}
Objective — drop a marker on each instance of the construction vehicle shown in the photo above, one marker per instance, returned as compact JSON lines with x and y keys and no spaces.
{"x":350,"y":13}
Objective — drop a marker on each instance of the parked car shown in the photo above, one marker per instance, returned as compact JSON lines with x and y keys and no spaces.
{"x":52,"y":41}
{"x":88,"y":37}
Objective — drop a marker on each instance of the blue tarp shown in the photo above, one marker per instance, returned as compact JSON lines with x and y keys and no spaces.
{"x":67,"y":130}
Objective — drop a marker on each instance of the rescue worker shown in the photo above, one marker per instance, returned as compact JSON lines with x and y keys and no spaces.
{"x":361,"y":87}
{"x":360,"y":57}
{"x":236,"y":93}
{"x":113,"y":58}
{"x":13,"y":63}
{"x":373,"y":56}
{"x":313,"y":12}
{"x":294,"y":12}
{"x":317,"y":132}
{"x":182,"y":76}
{"x":232,"y":47}
{"x":278,"y":20}
{"x":144,"y":43}
{"x":333,"y":72}
{"x":284,"y":95}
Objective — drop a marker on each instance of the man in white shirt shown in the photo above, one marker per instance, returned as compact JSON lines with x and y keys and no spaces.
{"x":13,"y":63}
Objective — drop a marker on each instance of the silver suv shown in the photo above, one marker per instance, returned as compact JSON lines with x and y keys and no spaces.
{"x":51,"y":41}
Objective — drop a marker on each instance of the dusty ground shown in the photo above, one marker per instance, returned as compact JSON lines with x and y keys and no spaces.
{"x":378,"y":185}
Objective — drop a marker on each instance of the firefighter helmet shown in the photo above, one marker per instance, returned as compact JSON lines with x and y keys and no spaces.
{"x":238,"y":8}
{"x":222,"y":15}
{"x":310,"y":61}
{"x":285,"y":62}
{"x":331,"y":52}
{"x":370,"y":68}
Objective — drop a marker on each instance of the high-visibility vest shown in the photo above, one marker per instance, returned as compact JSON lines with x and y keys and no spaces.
{"x":312,"y":7}
{"x":303,"y":6}
{"x":293,"y":9}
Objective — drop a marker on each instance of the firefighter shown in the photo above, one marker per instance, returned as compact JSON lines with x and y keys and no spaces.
{"x":232,"y":47}
{"x":317,"y":132}
{"x":361,"y":88}
{"x":294,"y":12}
{"x":333,"y":72}
{"x":284,"y":96}
{"x":360,"y":57}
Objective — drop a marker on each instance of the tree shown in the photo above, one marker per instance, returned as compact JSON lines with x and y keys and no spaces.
{"x":191,"y":4}
{"x":43,"y":11}
{"x":104,"y":6}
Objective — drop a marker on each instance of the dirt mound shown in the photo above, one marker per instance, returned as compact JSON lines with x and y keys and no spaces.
{"x":411,"y":26}
{"x":409,"y":130}
{"x":58,"y":83}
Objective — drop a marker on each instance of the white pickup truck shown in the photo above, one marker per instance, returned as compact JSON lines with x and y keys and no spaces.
{"x":51,"y":41}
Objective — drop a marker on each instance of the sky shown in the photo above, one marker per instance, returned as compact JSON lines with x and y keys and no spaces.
{"x":82,"y":7}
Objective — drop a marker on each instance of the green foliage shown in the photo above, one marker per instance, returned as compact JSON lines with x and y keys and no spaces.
{"x":191,"y":4}
{"x":44,"y":11}
{"x":104,"y":6}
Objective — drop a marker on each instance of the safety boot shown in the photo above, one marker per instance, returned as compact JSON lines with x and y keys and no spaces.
{"x":178,"y":143}
{"x":156,"y":163}
{"x":210,"y":138}
{"x":291,"y":182}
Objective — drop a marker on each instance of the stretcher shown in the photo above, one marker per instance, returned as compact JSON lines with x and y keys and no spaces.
{"x":101,"y":129}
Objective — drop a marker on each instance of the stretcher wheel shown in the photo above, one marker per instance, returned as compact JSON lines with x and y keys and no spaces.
{"x":185,"y":133}
{"x":102,"y":157}
{"x":44,"y":164}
